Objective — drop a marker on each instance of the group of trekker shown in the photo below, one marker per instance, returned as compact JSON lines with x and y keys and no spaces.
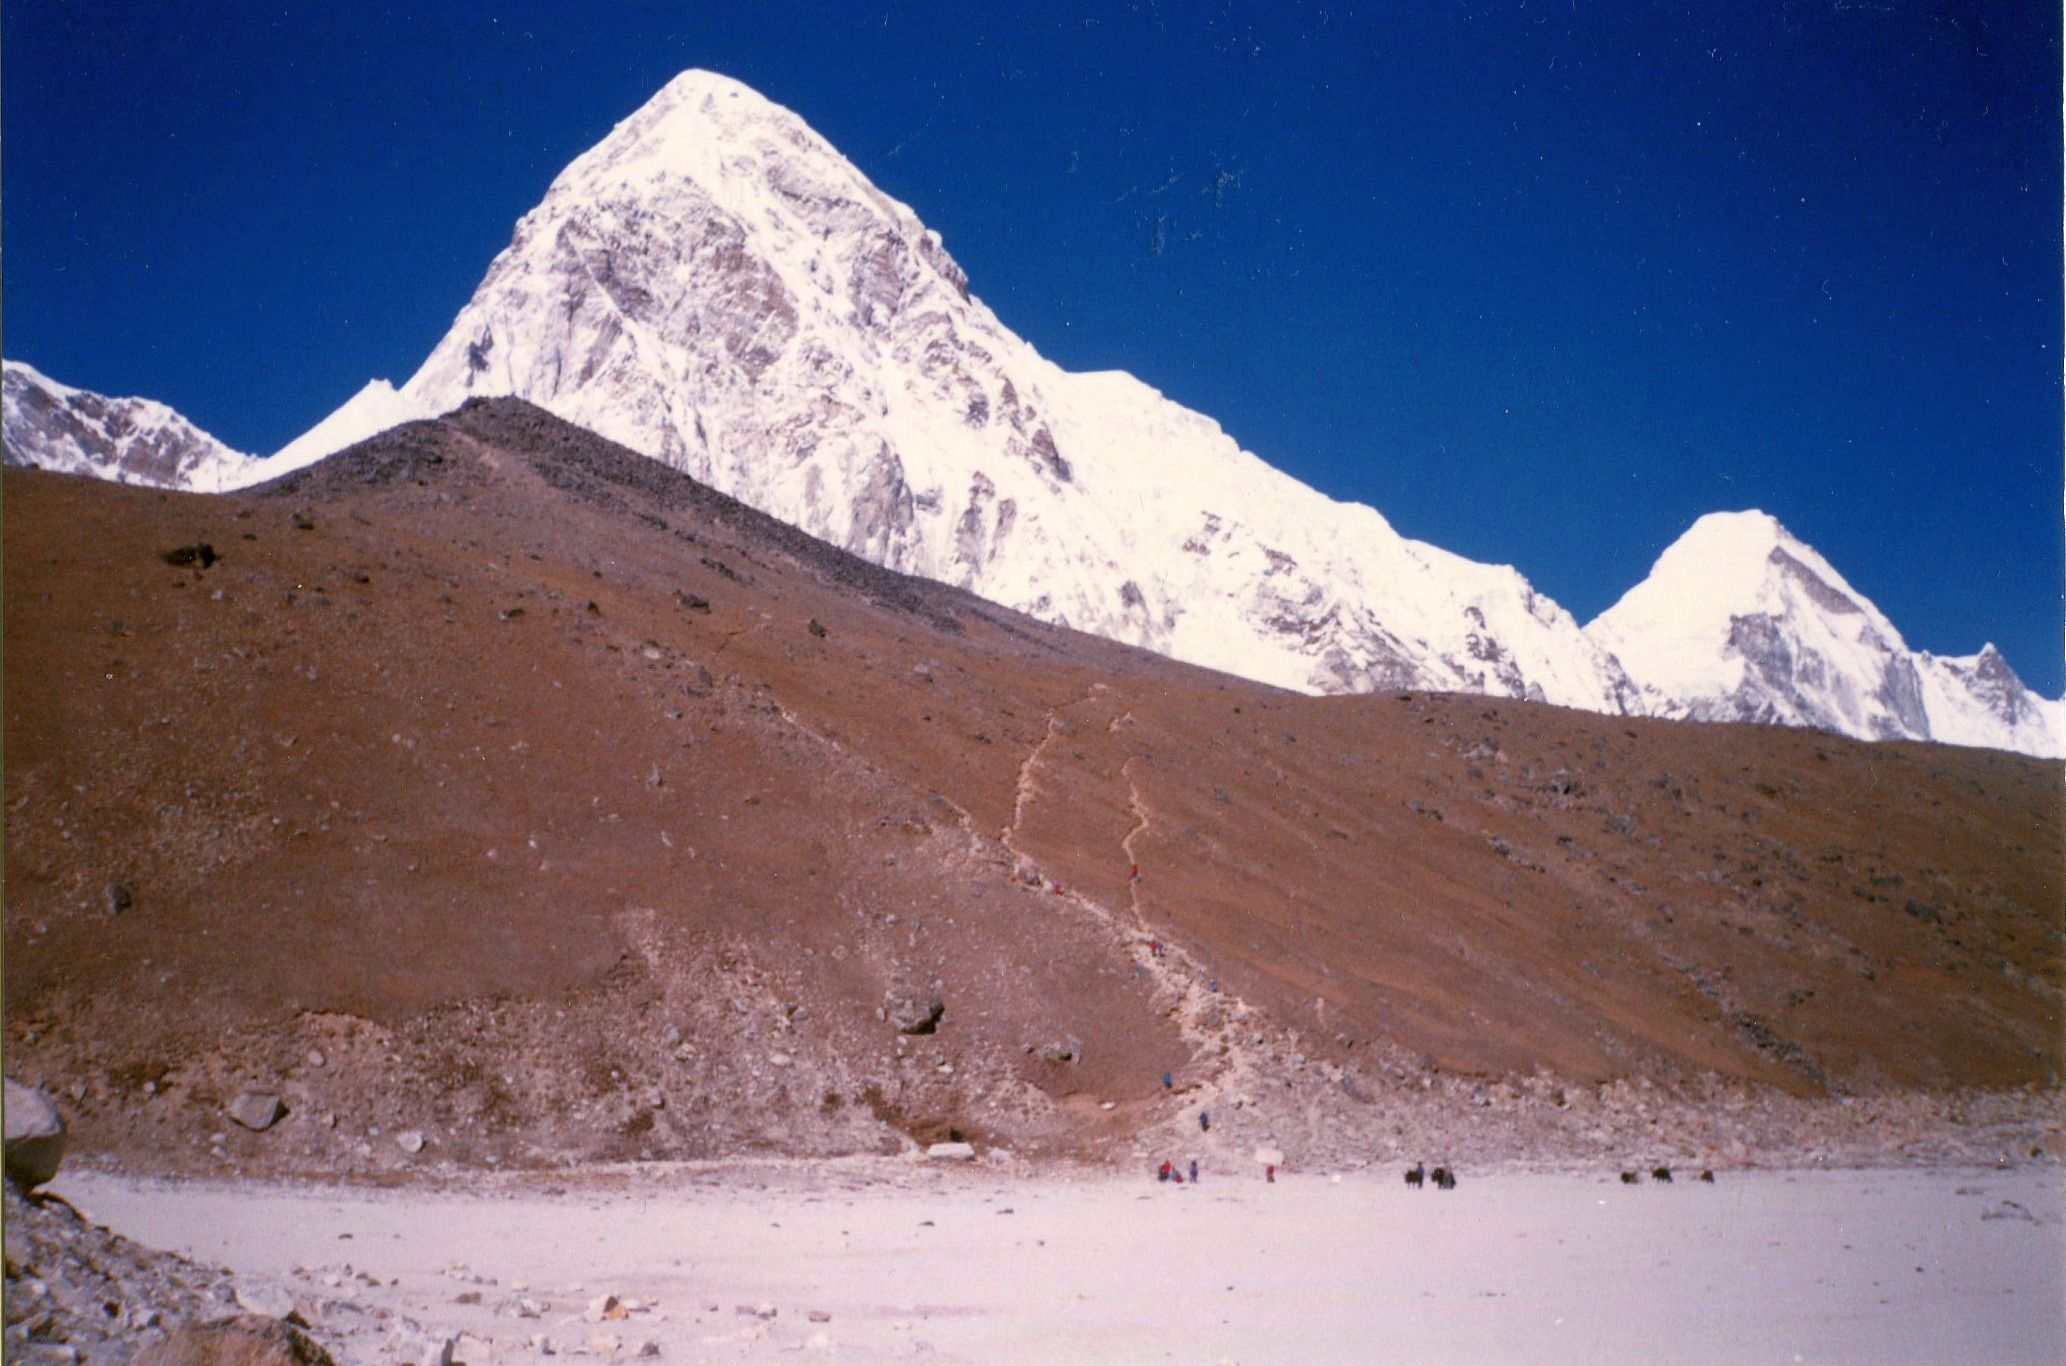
{"x":1168,"y":1172}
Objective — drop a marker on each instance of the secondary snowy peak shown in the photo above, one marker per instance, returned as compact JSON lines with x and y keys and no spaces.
{"x":715,"y":286}
{"x":54,"y":426}
{"x":1741,"y":621}
{"x":1726,"y":567}
{"x":1979,"y":700}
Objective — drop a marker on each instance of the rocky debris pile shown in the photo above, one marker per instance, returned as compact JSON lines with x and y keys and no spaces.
{"x":245,"y":1340}
{"x":1298,"y":1107}
{"x":428,"y":1324}
{"x":664,"y":1091}
{"x":721,"y":1041}
{"x":78,"y":1292}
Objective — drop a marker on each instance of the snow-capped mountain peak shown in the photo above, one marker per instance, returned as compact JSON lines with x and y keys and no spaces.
{"x":1727,"y":565}
{"x":1742,"y":620}
{"x":714,"y":285}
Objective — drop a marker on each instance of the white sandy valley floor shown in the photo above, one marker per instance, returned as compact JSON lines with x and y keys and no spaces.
{"x":988,"y":1265}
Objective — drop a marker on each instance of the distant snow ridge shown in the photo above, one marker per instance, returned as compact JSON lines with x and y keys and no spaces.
{"x":128,"y":440}
{"x":1741,"y":621}
{"x":715,"y":286}
{"x":53,"y":426}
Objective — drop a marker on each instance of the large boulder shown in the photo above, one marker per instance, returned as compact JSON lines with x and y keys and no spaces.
{"x":257,"y":1110}
{"x":35,"y":1136}
{"x":245,"y":1340}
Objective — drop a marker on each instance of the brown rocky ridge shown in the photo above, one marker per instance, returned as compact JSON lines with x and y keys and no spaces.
{"x":493,"y":796}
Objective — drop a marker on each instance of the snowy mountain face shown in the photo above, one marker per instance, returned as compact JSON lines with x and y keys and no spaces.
{"x":714,"y":286}
{"x":1741,"y":621}
{"x":129,"y":440}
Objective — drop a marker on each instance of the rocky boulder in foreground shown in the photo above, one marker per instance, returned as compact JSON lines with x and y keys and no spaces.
{"x":35,"y":1136}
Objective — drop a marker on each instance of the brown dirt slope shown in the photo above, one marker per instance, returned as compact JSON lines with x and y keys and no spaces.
{"x":500,"y":785}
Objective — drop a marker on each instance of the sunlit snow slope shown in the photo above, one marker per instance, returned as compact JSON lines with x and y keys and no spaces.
{"x":1740,"y":621}
{"x":371,"y":411}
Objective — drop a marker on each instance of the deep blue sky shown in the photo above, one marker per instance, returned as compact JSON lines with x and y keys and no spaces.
{"x":1542,"y":281}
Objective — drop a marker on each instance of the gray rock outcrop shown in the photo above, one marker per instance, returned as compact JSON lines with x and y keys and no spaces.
{"x":35,"y":1142}
{"x":915,"y":1014}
